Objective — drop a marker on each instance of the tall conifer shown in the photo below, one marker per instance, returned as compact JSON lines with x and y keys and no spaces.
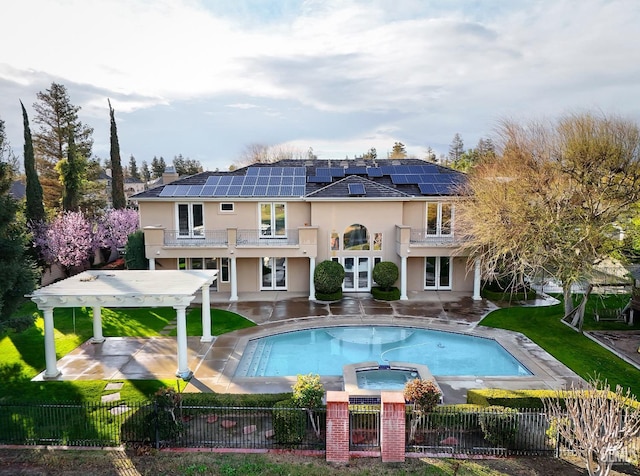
{"x":35,"y":206}
{"x":117,"y":177}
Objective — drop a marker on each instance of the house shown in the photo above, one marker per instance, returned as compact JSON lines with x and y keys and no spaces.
{"x":266,"y":226}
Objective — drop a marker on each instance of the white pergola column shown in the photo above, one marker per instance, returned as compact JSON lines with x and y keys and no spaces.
{"x":152,"y":264}
{"x":403,"y":278}
{"x":98,"y":338}
{"x":206,"y":315}
{"x":312,"y":287}
{"x":234,"y":279}
{"x":183,"y":365}
{"x":476,"y":280}
{"x":51,"y":370}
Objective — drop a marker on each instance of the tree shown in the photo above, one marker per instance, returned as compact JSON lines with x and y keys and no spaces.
{"x":186,"y":166}
{"x":456,"y":148}
{"x":71,"y":172}
{"x":157,"y":167}
{"x":307,"y":393}
{"x":118,"y":198}
{"x":399,"y":151}
{"x":19,"y":275}
{"x":113,"y":229}
{"x":67,"y":241}
{"x":6,"y":152}
{"x":265,"y":154}
{"x":35,"y":205}
{"x":430,"y":156}
{"x":58,"y":120}
{"x":371,"y":154}
{"x":547,"y":205}
{"x":133,"y":168}
{"x":596,"y":422}
{"x":145,"y":172}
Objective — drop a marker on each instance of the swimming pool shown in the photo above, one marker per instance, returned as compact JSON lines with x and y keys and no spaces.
{"x":324,"y":351}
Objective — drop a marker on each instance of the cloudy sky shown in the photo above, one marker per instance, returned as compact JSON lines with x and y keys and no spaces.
{"x":207,"y":78}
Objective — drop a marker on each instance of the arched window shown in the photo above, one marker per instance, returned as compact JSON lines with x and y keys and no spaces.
{"x":355,"y":237}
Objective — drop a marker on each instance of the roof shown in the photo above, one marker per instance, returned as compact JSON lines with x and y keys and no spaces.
{"x":320,"y":178}
{"x":118,"y":288}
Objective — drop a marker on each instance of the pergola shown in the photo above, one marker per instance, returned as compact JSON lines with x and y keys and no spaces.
{"x":133,"y":288}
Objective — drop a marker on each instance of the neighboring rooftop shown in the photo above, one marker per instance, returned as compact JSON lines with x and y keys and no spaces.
{"x":318,"y":178}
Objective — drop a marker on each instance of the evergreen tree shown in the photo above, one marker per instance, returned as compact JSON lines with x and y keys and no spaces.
{"x":399,"y":151}
{"x":145,"y":172}
{"x":6,"y":152}
{"x":133,"y":168}
{"x":186,"y":166}
{"x":58,"y":120}
{"x":71,"y":172}
{"x":34,"y":206}
{"x":456,"y":148}
{"x":19,"y":275}
{"x":117,"y":177}
{"x":157,"y":167}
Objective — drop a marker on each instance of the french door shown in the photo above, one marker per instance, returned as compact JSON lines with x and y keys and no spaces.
{"x":437,"y":272}
{"x":357,"y":274}
{"x":273,"y":273}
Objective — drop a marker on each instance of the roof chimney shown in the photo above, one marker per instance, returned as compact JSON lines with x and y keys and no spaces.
{"x":169,"y":175}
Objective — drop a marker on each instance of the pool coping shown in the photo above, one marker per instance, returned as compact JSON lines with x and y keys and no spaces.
{"x":216,"y":371}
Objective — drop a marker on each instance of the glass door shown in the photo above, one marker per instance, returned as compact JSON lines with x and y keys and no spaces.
{"x":273,"y":273}
{"x":357,"y":274}
{"x":437,"y":272}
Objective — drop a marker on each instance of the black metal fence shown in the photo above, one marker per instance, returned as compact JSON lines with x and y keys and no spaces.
{"x":446,"y":432}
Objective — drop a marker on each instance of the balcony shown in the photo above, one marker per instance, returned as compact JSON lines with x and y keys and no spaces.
{"x":252,"y":238}
{"x":199,"y":238}
{"x":422,"y":237}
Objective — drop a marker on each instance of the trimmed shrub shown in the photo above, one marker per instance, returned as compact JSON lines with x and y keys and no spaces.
{"x":380,"y":294}
{"x":509,"y":398}
{"x":260,"y":400}
{"x":499,"y":425}
{"x":134,"y":257}
{"x":385,"y":274}
{"x":289,"y":423}
{"x":329,"y":297}
{"x":328,"y":277}
{"x":423,"y":393}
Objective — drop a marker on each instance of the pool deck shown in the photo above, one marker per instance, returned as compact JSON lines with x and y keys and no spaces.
{"x":214,"y":363}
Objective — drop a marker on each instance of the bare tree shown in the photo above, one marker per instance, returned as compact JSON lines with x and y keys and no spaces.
{"x":548,"y":202}
{"x":597,"y":423}
{"x":267,"y":154}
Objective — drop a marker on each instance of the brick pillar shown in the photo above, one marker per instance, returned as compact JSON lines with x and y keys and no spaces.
{"x":338,"y":427}
{"x":392,"y":427}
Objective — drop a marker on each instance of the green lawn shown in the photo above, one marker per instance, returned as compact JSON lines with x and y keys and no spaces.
{"x":543,"y":326}
{"x":22,"y":353}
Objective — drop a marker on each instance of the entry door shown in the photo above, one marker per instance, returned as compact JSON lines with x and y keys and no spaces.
{"x":437,"y":272}
{"x":357,"y":274}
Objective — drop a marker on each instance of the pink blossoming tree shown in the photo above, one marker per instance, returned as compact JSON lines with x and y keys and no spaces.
{"x":113,"y":229}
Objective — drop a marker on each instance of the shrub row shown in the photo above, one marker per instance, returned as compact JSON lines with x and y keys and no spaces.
{"x":509,"y":398}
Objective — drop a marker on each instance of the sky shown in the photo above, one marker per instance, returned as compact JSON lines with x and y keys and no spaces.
{"x":209,"y":78}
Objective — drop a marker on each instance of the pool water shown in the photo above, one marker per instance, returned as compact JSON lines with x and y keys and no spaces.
{"x":325,"y":351}
{"x":384,"y":379}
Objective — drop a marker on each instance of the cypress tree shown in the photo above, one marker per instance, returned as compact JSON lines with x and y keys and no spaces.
{"x":117,"y":177}
{"x":35,"y":206}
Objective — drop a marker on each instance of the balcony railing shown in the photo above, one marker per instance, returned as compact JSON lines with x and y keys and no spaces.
{"x":258,"y":238}
{"x":203,"y":238}
{"x":421,"y":237}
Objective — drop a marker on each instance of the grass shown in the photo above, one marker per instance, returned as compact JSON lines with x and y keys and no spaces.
{"x":589,"y":360}
{"x":22,"y":353}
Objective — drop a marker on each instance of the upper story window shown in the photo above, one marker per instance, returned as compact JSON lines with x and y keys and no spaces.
{"x":226,"y":207}
{"x":273,"y":222}
{"x":190,"y":220}
{"x":355,"y":237}
{"x":439,"y":218}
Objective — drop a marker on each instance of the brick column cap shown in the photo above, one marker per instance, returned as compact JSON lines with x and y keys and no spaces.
{"x":392,"y":397}
{"x":335,"y":396}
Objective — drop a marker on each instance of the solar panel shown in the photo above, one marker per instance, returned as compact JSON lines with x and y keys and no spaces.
{"x":247,"y":190}
{"x":443,"y":188}
{"x":374,"y":172}
{"x":260,"y":191}
{"x":221,"y":191}
{"x":168,"y":191}
{"x":181,"y":190}
{"x":356,"y":189}
{"x":427,"y":188}
{"x":323,"y":171}
{"x":250,"y":180}
{"x":337,"y":171}
{"x":237,"y":180}
{"x":287,"y":180}
{"x":319,"y":179}
{"x":286,"y":191}
{"x":253,"y":171}
{"x":262,"y":181}
{"x":387,"y":169}
{"x":264,"y":171}
{"x":194,"y":191}
{"x":399,"y":179}
{"x":276,"y":171}
{"x":213,"y":180}
{"x":234,"y":190}
{"x":273,"y":191}
{"x":208,"y":190}
{"x":225,"y":180}
{"x":299,"y":180}
{"x":275,"y":180}
{"x":355,"y":170}
{"x":298,"y":190}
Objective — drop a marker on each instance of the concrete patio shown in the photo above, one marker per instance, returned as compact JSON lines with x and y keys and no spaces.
{"x":214,"y":363}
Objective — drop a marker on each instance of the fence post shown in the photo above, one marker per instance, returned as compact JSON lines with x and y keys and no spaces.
{"x":392,"y":427}
{"x":155,"y":419}
{"x":337,"y":427}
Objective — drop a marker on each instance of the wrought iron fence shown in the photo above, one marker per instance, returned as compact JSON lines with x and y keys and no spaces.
{"x":263,"y":238}
{"x":423,"y":237}
{"x":364,"y":426}
{"x":201,"y":238}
